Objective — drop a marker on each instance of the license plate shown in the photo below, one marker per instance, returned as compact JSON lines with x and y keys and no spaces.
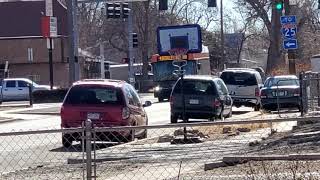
{"x":279,"y":93}
{"x":194,"y":101}
{"x":93,"y":116}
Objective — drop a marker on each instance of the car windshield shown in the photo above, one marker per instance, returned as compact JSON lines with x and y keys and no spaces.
{"x":94,"y":96}
{"x":281,"y":82}
{"x":239,"y":78}
{"x":195,"y":87}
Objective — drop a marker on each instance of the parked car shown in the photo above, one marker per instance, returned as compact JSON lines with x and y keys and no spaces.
{"x":15,"y":89}
{"x":106,"y":103}
{"x":283,"y":90}
{"x":206,"y":97}
{"x":244,"y":86}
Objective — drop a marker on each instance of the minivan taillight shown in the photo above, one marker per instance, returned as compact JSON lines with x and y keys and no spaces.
{"x":216,"y":103}
{"x":63,"y":115}
{"x":125,"y":113}
{"x":257,"y":91}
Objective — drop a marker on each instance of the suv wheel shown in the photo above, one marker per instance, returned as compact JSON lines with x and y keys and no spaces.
{"x":66,"y":141}
{"x":230,"y":114}
{"x":257,"y":107}
{"x":174,"y":119}
{"x":160,"y":99}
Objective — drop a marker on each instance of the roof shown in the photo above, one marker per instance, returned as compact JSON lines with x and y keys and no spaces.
{"x":240,"y":70}
{"x":25,"y":17}
{"x":106,"y":82}
{"x":199,"y":77}
{"x":285,"y":77}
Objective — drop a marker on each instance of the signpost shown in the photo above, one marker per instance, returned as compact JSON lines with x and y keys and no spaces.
{"x":289,"y":32}
{"x":49,"y":30}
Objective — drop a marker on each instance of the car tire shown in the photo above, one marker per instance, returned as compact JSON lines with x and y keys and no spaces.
{"x":66,"y":141}
{"x":174,"y":119}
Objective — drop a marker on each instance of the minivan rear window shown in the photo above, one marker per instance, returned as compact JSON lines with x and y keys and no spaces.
{"x":195,"y":87}
{"x":239,"y":78}
{"x":91,"y":95}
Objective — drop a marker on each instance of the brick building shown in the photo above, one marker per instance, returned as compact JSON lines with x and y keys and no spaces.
{"x":22,"y":45}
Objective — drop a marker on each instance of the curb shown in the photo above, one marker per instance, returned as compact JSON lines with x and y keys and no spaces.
{"x":37,"y":113}
{"x":234,"y":160}
{"x":8,"y":120}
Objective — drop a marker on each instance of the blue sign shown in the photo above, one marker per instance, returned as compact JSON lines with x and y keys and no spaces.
{"x":289,"y":32}
{"x":290,"y":44}
{"x":288,"y":19}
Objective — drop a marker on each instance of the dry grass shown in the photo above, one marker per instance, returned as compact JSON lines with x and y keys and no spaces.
{"x":212,"y":130}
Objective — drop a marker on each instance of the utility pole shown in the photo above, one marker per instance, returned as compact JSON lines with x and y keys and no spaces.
{"x":102,"y":70}
{"x":222,"y":33}
{"x":73,"y":41}
{"x":130,"y":35}
{"x":291,"y":53}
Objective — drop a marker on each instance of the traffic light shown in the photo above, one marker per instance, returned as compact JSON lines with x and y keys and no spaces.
{"x":318,"y":4}
{"x":163,"y":5}
{"x":279,"y":5}
{"x":212,"y":3}
{"x":134,"y":40}
{"x":125,"y":10}
{"x":117,"y":10}
{"x":109,"y":10}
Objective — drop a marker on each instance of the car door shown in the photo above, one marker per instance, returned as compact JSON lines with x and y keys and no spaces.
{"x":9,"y":91}
{"x":23,"y":89}
{"x":225,"y":97}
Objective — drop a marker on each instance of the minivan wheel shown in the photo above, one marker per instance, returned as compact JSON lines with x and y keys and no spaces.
{"x":66,"y":141}
{"x":174,"y":119}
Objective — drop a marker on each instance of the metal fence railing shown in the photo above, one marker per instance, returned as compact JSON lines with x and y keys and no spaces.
{"x":207,"y":152}
{"x":310,"y":92}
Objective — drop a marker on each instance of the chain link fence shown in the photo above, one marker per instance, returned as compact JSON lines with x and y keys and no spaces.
{"x":246,"y":149}
{"x":310,"y":92}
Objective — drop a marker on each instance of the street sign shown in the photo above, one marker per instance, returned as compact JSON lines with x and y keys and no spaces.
{"x":288,"y":19}
{"x":290,"y":44}
{"x":289,"y":32}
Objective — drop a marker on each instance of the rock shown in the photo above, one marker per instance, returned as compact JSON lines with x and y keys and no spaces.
{"x":243,"y":129}
{"x":226,"y":130}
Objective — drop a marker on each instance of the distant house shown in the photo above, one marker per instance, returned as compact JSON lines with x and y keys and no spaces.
{"x":22,"y":45}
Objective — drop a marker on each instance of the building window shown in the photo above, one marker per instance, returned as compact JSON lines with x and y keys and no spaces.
{"x":34,"y":78}
{"x":30,"y":55}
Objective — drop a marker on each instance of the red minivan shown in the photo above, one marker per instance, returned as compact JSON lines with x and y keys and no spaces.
{"x":107,"y":103}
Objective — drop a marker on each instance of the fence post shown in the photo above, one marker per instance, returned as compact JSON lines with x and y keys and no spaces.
{"x":88,"y":131}
{"x":301,"y":76}
{"x":30,"y":95}
{"x":318,"y":88}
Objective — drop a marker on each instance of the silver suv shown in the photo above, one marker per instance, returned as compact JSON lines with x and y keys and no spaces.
{"x":244,"y":86}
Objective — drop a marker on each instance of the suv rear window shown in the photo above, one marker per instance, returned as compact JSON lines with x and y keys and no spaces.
{"x":239,"y":78}
{"x":91,"y":95}
{"x":194,"y":87}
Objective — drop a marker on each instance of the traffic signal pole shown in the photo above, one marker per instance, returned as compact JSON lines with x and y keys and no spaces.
{"x":130,"y":37}
{"x":291,"y":53}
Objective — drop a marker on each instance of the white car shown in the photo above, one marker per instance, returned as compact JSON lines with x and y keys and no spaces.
{"x":14,"y":89}
{"x":244,"y":86}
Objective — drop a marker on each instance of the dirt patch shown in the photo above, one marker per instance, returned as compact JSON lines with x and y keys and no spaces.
{"x":264,"y":170}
